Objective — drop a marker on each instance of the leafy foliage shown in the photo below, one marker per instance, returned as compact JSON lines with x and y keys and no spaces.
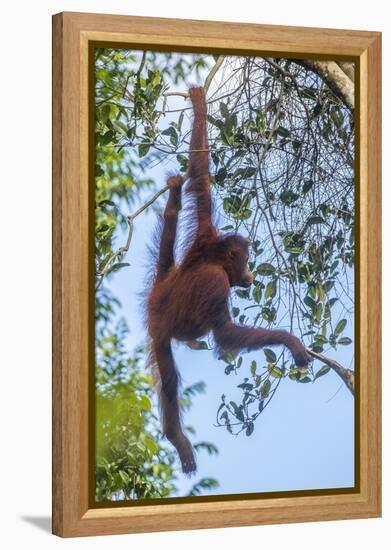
{"x":133,"y":460}
{"x":283,"y":158}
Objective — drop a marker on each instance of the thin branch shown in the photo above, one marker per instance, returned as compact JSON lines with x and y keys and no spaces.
{"x":148,"y":203}
{"x":181,"y":94}
{"x":141,"y":66}
{"x":208,"y":81}
{"x":153,"y":144}
{"x":123,"y":249}
{"x":346,"y":375}
{"x":130,"y":218}
{"x":213,"y":71}
{"x":138,"y":80}
{"x":258,"y":167}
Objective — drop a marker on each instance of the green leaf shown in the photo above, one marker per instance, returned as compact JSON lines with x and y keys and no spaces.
{"x":300,"y":374}
{"x":105,"y":112}
{"x":172,"y":133}
{"x":266,"y":269}
{"x":270,"y":355}
{"x":156,"y":79}
{"x":337,"y":117}
{"x":340,"y":327}
{"x":104,"y":227}
{"x":237,"y":411}
{"x":307,"y":186}
{"x":224,"y":110}
{"x":294,"y":250}
{"x":274,"y":371}
{"x":224,"y":416}
{"x":321,"y":372}
{"x":230,"y":356}
{"x":232,"y":204}
{"x":250,"y":428}
{"x":284,"y":132}
{"x":305,"y":380}
{"x":314,"y":220}
{"x":143,"y":149}
{"x":312,"y":291}
{"x":288,"y":197}
{"x":180,"y":120}
{"x":321,"y":339}
{"x":344,"y":341}
{"x":145,"y":403}
{"x":228,"y":369}
{"x":294,"y":373}
{"x":243,"y":214}
{"x":257,"y":293}
{"x":321,"y":293}
{"x":226,"y":137}
{"x":265,"y":389}
{"x":151,"y":445}
{"x":310,"y":303}
{"x":98,"y":171}
{"x":216,"y":122}
{"x":124,"y":477}
{"x":246,"y":386}
{"x":317,"y":347}
{"x":318,"y":312}
{"x":242,"y":293}
{"x":106,"y":202}
{"x":271,"y":289}
{"x":118,"y":266}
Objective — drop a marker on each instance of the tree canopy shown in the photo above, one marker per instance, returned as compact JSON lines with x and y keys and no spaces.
{"x":282,"y":161}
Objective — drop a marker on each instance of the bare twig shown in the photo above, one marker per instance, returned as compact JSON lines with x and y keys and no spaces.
{"x":141,"y":66}
{"x":181,"y":94}
{"x":130,"y":218}
{"x":213,"y":71}
{"x":123,"y":249}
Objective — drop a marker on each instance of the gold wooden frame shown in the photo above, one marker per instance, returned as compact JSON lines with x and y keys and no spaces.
{"x":72,"y":35}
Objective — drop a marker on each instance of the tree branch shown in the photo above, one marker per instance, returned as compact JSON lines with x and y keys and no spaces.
{"x":335,"y":78}
{"x":348,"y":69}
{"x":346,"y":375}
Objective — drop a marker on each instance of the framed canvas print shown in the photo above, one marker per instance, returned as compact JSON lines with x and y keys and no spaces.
{"x":216,"y":274}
